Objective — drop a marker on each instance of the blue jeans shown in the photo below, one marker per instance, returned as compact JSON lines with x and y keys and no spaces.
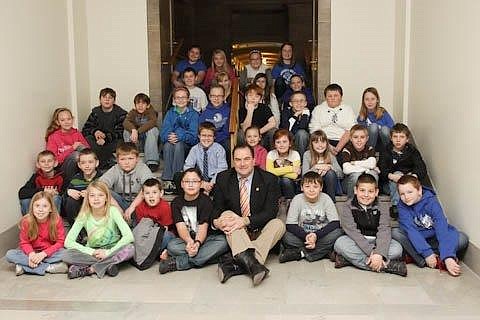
{"x":330,"y":184}
{"x":122,"y":202}
{"x":167,"y":236}
{"x":25,"y":204}
{"x":458,"y":249}
{"x":323,"y":246}
{"x":288,"y":187}
{"x":17,"y":256}
{"x":69,"y":166}
{"x":350,"y":180}
{"x":214,"y":246}
{"x":346,"y":247}
{"x":375,"y":131}
{"x":174,"y":158}
{"x":302,"y":138}
{"x":150,"y":144}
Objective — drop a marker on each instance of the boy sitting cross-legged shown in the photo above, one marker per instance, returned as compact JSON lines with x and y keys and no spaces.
{"x":367,"y":243}
{"x":126,"y":178}
{"x":312,"y":223}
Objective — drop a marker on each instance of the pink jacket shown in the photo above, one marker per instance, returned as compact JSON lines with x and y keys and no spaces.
{"x":260,"y":156}
{"x":60,"y":143}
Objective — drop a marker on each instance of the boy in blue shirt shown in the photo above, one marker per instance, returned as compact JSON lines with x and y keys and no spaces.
{"x":424,"y":230}
{"x":194,"y":62}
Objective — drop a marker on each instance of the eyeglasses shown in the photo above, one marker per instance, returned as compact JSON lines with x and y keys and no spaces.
{"x":216,"y":95}
{"x":181,"y":98}
{"x":191,"y":181}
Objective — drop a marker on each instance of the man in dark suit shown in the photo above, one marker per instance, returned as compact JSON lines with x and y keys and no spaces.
{"x":245,"y":209}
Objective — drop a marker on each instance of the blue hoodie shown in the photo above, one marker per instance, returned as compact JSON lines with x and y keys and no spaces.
{"x":425,"y":219}
{"x":220,"y":117}
{"x":384,"y":121}
{"x":184,"y":125}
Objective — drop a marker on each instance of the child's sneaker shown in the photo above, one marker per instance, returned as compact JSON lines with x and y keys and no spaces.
{"x":397,"y":267}
{"x":60,"y":267}
{"x":167,"y":265}
{"x":19,"y":270}
{"x":78,"y":271}
{"x":112,"y":270}
{"x":341,"y":262}
{"x":290,"y":255}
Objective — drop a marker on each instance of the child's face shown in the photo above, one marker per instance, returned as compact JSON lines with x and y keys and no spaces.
{"x":225,"y":82}
{"x":152,"y":195}
{"x":399,"y":140}
{"x":88,"y":164}
{"x":181,"y":99}
{"x":65,"y":120}
{"x":319,"y":146}
{"x":41,"y":209}
{"x":311,"y":190}
{"x":287,"y":52}
{"x":359,"y":139}
{"x":253,"y":97}
{"x":370,"y":101}
{"x":282,"y":145}
{"x":141,"y":106}
{"x":298,"y":102}
{"x":261,"y":82}
{"x":333,"y":99}
{"x":216,"y":97}
{"x":96,"y":198}
{"x":255,"y":60}
{"x":366,"y":193}
{"x":296,"y":83}
{"x":107,"y":101}
{"x":191,"y":184}
{"x":127,"y":161}
{"x":253,"y":137}
{"x":189,"y":79}
{"x":193,"y":54}
{"x":46,"y":163}
{"x":206,"y":137}
{"x":409,"y":194}
{"x":218,"y":60}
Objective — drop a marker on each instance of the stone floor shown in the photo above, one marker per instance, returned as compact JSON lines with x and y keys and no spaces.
{"x":295,"y":290}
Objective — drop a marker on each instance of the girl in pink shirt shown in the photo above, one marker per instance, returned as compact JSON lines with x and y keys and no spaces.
{"x":65,"y":141}
{"x":41,"y":239}
{"x":253,"y":138}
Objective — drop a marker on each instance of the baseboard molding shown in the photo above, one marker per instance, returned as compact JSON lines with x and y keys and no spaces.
{"x":8,"y":239}
{"x":472,"y":258}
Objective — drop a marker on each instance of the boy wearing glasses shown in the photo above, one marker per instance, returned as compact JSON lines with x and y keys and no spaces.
{"x":178,"y":134}
{"x":295,"y":119}
{"x":197,"y":244}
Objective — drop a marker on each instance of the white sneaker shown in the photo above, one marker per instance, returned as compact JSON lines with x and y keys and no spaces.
{"x":59,"y":267}
{"x":19,"y":270}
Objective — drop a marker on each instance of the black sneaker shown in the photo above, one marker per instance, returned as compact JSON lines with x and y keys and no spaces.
{"x":167,"y":265}
{"x":396,"y":267}
{"x":341,"y":262}
{"x":78,"y":271}
{"x":153,"y":167}
{"x":394,"y":212}
{"x":290,"y":254}
{"x":112,"y":270}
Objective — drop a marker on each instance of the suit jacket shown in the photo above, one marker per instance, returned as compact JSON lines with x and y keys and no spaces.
{"x":264,"y":195}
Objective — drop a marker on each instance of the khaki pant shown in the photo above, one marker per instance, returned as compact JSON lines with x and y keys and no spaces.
{"x":239,"y":240}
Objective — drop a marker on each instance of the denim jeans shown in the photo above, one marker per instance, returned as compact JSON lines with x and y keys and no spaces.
{"x":330,"y":184}
{"x":25,"y":204}
{"x":213,"y":247}
{"x":150,"y":144}
{"x":17,"y":256}
{"x":375,"y":131}
{"x":174,"y":158}
{"x":288,"y":187}
{"x":401,"y":236}
{"x":346,"y":247}
{"x":351,"y":179}
{"x":69,"y":167}
{"x":323,"y":246}
{"x":302,"y":138}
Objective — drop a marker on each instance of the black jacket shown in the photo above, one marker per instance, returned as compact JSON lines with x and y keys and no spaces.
{"x":110,"y":123}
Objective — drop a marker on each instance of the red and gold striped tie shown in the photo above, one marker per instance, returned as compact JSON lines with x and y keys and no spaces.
{"x":244,"y":199}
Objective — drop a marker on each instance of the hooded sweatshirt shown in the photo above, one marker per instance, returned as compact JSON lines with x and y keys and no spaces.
{"x":426,"y":219}
{"x":220,"y":117}
{"x":61,"y":143}
{"x":38,"y":181}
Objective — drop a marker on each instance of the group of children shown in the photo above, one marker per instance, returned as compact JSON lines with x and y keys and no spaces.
{"x":103,"y":194}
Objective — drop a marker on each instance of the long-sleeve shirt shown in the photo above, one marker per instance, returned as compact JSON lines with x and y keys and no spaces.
{"x":61,"y":143}
{"x":358,"y":161}
{"x":183,"y":123}
{"x":141,"y":121}
{"x":43,"y":241}
{"x":308,"y":166}
{"x":333,"y":121}
{"x":38,"y":181}
{"x":110,"y":233}
{"x":294,"y":123}
{"x":260,"y":156}
{"x":161,"y":213}
{"x":385,"y":120}
{"x":283,"y":167}
{"x":110,"y":123}
{"x":217,"y":161}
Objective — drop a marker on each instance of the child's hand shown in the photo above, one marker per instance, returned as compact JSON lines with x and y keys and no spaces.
{"x":83,"y":193}
{"x":100,"y":254}
{"x":172,"y":138}
{"x":134,"y":136}
{"x":394,"y":177}
{"x":100,"y":142}
{"x":75,"y":194}
{"x":51,"y":190}
{"x":31,"y":262}
{"x":431,"y":261}
{"x":310,"y":240}
{"x":127,"y":215}
{"x":207,"y":186}
{"x":250,"y":107}
{"x":297,"y":169}
{"x":375,"y":262}
{"x":452,"y":267}
{"x":76,"y":145}
{"x":99,"y":135}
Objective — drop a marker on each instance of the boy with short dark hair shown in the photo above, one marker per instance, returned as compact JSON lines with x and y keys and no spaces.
{"x":400,"y":158}
{"x":366,"y":221}
{"x":357,"y":158}
{"x":126,"y":178}
{"x":198,"y":98}
{"x":296,"y":118}
{"x":312,"y":223}
{"x":73,"y":198}
{"x":193,"y":61}
{"x":104,"y":127}
{"x":141,"y":127}
{"x":424,"y":230}
{"x":44,"y":179}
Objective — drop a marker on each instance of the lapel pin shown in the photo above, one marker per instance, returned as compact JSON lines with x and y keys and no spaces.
{"x":257,"y":189}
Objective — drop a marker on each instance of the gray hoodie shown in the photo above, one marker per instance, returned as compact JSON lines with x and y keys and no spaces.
{"x":127,"y":184}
